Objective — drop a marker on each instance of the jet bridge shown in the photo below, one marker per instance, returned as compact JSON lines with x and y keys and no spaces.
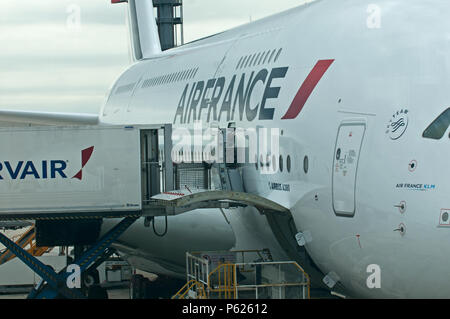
{"x":82,"y":174}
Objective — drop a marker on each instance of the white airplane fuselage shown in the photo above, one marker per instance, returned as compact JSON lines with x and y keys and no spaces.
{"x":379,"y":201}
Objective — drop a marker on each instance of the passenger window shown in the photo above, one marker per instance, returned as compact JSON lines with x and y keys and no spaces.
{"x":437,"y":129}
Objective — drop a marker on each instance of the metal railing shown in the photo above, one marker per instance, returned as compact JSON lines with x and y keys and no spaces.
{"x":262,"y":280}
{"x":193,"y":289}
{"x":222,"y":282}
{"x":197,"y":269}
{"x":276,"y":280}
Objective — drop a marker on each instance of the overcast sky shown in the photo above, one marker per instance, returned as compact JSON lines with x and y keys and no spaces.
{"x":49,"y":62}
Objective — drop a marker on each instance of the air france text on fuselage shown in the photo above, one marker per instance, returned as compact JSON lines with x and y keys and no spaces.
{"x":217,"y":99}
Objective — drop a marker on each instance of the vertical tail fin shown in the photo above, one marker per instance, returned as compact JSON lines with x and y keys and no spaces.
{"x":143,"y":30}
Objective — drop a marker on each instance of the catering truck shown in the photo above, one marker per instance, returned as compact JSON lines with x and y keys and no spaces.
{"x":69,"y":178}
{"x":80,"y":170}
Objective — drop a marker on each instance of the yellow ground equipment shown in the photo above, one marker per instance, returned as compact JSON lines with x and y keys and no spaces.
{"x":191,"y":286}
{"x":233,"y":279}
{"x":28,"y":242}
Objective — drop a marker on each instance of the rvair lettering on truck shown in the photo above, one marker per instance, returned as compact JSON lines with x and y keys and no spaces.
{"x":45,"y":169}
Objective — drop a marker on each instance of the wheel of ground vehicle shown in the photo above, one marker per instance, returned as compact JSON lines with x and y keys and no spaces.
{"x":91,"y":278}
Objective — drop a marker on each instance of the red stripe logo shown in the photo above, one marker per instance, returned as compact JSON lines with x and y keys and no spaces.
{"x":307,"y":88}
{"x":85,"y":157}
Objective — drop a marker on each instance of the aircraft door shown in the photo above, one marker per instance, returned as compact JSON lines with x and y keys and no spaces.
{"x":345,"y":167}
{"x":151,"y":178}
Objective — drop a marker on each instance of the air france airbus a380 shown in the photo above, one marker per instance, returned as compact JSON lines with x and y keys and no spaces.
{"x":363,"y":110}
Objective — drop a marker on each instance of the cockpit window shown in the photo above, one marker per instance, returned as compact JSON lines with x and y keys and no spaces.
{"x":439,"y":126}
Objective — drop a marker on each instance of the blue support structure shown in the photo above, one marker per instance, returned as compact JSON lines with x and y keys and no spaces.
{"x":44,"y":271}
{"x":54,"y":284}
